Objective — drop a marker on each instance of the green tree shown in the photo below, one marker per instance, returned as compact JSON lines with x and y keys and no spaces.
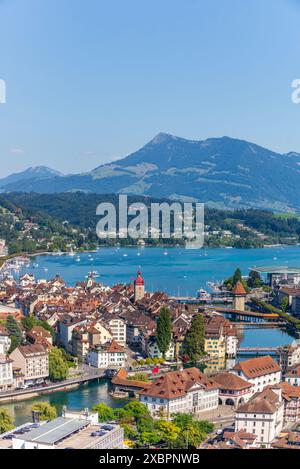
{"x":105,"y":412}
{"x":6,"y":421}
{"x":45,"y":410}
{"x":254,"y":279}
{"x":148,"y":438}
{"x":168,"y":431}
{"x":15,"y":333}
{"x":191,"y":436}
{"x":129,"y":432}
{"x":237,"y":277}
{"x":137,"y":410}
{"x":28,"y":322}
{"x":193,"y":345}
{"x":183,"y":419}
{"x":164,"y":330}
{"x":58,"y":366}
{"x":145,"y":424}
{"x":284,"y":303}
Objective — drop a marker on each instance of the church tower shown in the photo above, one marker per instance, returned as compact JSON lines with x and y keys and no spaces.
{"x":139,"y":287}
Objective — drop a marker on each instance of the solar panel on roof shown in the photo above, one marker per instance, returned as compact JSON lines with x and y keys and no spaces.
{"x":54,"y":431}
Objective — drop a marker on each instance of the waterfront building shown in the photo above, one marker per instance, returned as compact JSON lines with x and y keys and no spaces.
{"x":289,"y":355}
{"x":139,"y":287}
{"x":233,"y":390}
{"x":123,"y":383}
{"x":6,"y":373}
{"x":260,"y":372}
{"x":239,"y":294}
{"x":215,"y":346}
{"x":74,"y":430}
{"x":231,"y":344}
{"x":280,"y":275}
{"x":104,"y":356}
{"x":292,"y":375}
{"x":33,"y":363}
{"x":187,"y":391}
{"x":220,"y":337}
{"x":262,"y":415}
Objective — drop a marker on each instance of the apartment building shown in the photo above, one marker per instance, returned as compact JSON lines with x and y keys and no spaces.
{"x":260,"y":372}
{"x":104,"y":356}
{"x":33,"y":362}
{"x":6,"y":373}
{"x":186,"y":391}
{"x":117,"y":327}
{"x":152,"y":349}
{"x":262,"y":415}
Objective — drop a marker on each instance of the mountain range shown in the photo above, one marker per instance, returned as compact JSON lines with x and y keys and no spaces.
{"x":222,"y":172}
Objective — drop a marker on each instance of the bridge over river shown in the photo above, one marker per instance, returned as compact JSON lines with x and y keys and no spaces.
{"x":258,"y":350}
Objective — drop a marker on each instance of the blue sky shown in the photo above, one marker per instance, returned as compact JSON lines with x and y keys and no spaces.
{"x":92,"y":80}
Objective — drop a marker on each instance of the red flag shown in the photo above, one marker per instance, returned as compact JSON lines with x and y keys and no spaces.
{"x":155,"y":370}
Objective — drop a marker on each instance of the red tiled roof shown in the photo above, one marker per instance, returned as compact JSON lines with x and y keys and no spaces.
{"x":177,"y":383}
{"x":265,"y":402}
{"x":239,"y":289}
{"x":256,"y":367}
{"x":231,"y":381}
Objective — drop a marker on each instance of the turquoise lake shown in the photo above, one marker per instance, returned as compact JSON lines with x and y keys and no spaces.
{"x":176,"y":271}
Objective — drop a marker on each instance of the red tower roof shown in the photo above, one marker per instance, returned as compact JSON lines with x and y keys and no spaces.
{"x":239,"y":289}
{"x":139,"y":280}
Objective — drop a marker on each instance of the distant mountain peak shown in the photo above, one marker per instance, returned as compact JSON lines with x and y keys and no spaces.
{"x":162,"y":138}
{"x":43,"y":169}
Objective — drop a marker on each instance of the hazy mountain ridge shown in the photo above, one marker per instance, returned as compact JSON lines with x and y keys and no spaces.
{"x":223,"y":172}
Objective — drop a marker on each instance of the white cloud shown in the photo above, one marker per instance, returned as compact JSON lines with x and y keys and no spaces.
{"x":16,"y":151}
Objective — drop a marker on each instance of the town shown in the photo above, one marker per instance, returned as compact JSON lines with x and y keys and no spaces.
{"x":175,"y":361}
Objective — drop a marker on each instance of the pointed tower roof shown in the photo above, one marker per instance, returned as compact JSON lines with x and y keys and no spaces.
{"x":139,"y":280}
{"x":239,"y":289}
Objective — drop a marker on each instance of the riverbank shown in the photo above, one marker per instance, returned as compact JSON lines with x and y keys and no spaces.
{"x":22,"y":394}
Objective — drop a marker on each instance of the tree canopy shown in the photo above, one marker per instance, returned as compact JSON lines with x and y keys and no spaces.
{"x":6,"y":421}
{"x":45,"y":410}
{"x":164,"y":330}
{"x":193,"y":345}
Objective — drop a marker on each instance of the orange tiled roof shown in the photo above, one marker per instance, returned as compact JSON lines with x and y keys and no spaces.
{"x":256,"y":367}
{"x":177,"y":383}
{"x":239,"y":289}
